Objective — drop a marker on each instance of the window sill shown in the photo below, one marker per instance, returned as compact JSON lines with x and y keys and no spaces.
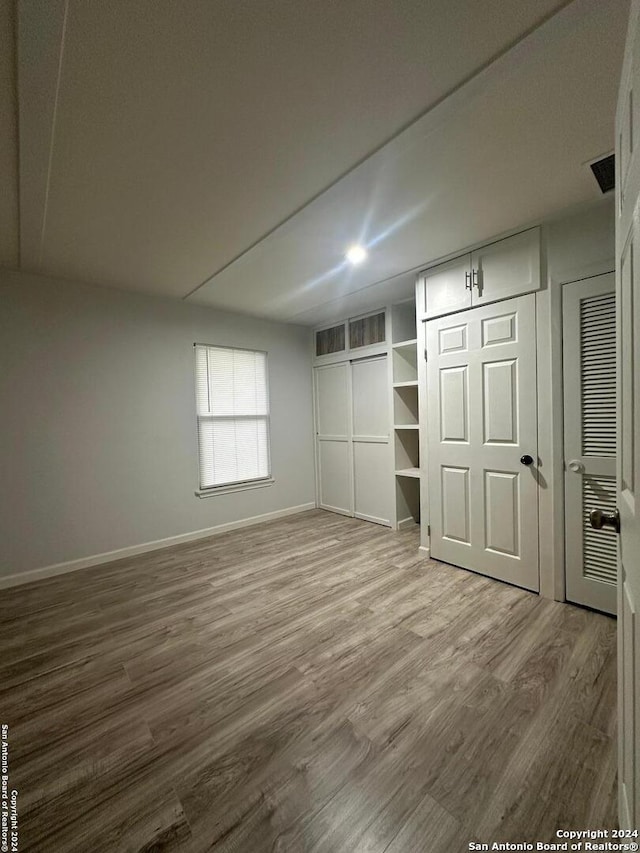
{"x":234,"y":487}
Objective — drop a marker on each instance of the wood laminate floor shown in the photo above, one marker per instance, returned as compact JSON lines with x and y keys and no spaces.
{"x":310,"y":684}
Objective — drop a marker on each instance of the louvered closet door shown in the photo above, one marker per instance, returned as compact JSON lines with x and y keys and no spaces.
{"x":589,"y":335}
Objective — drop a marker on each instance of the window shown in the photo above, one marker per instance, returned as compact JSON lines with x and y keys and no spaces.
{"x":233,"y":416}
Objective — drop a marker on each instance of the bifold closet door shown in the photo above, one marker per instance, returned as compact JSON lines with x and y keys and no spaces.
{"x":483,"y":440}
{"x":333,"y":437}
{"x":372,"y":472}
{"x":589,"y":356}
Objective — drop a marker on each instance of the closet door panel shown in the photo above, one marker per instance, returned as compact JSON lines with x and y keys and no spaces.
{"x":372,"y":466}
{"x":370,"y":398}
{"x":333,"y":437}
{"x":372,"y":481}
{"x":334,"y":462}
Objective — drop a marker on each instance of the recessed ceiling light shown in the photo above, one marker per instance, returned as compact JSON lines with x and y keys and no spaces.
{"x":356,"y":254}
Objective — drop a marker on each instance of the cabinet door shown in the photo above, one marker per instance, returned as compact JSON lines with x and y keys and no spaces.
{"x":507,"y":268}
{"x":447,"y":287}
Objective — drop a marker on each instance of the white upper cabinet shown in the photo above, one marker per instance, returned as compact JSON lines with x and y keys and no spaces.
{"x":447,"y":288}
{"x":506,"y":268}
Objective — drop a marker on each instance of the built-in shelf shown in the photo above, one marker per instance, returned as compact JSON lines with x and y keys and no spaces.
{"x":404,"y":396}
{"x":408,"y":472}
{"x":405,"y":364}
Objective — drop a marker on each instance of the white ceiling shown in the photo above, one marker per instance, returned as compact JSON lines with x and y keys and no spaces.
{"x":228,"y":151}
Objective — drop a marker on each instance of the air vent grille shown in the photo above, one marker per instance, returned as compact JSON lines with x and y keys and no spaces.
{"x":605,"y":173}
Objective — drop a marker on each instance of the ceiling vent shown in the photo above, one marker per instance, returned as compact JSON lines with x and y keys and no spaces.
{"x":604,"y":171}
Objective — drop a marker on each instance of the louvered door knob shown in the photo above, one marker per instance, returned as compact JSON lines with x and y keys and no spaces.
{"x":526,"y":459}
{"x":600,"y":519}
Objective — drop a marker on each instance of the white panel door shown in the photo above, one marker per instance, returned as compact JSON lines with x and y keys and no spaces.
{"x":372,"y":464}
{"x":589,"y":364}
{"x":333,"y":437}
{"x":481,"y":420}
{"x":447,"y":287}
{"x":509,"y":267}
{"x":628,"y":425}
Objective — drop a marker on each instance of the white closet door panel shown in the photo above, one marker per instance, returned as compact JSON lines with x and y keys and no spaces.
{"x":454,"y":404}
{"x":453,"y":339}
{"x":500,"y":329}
{"x":589,"y":366}
{"x":372,"y":481}
{"x":507,"y":268}
{"x":370,"y":397}
{"x":503,"y":521}
{"x":332,"y":399}
{"x":333,"y":437}
{"x":484,"y":501}
{"x":372,"y":464}
{"x":500,"y":401}
{"x":447,"y":287}
{"x":334,"y":463}
{"x":456,"y":522}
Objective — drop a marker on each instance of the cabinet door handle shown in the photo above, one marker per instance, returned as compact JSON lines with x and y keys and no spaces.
{"x":467,"y":281}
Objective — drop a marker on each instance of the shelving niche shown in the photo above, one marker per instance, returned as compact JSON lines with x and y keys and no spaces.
{"x":406,"y":439}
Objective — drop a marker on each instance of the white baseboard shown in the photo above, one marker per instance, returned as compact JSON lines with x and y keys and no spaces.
{"x":109,"y":556}
{"x":373,"y":518}
{"x":424,"y":550}
{"x":406,"y":523}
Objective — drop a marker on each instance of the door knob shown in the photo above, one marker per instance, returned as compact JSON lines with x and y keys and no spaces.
{"x":526,"y":459}
{"x":576,"y":466}
{"x":600,"y":519}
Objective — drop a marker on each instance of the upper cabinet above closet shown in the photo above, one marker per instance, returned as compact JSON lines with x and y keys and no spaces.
{"x":353,"y":338}
{"x":506,"y":268}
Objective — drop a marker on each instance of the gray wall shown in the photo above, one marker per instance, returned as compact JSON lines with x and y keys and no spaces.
{"x":579,"y":244}
{"x":97,"y":420}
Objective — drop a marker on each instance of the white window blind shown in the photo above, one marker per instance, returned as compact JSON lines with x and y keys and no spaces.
{"x":233,"y":415}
